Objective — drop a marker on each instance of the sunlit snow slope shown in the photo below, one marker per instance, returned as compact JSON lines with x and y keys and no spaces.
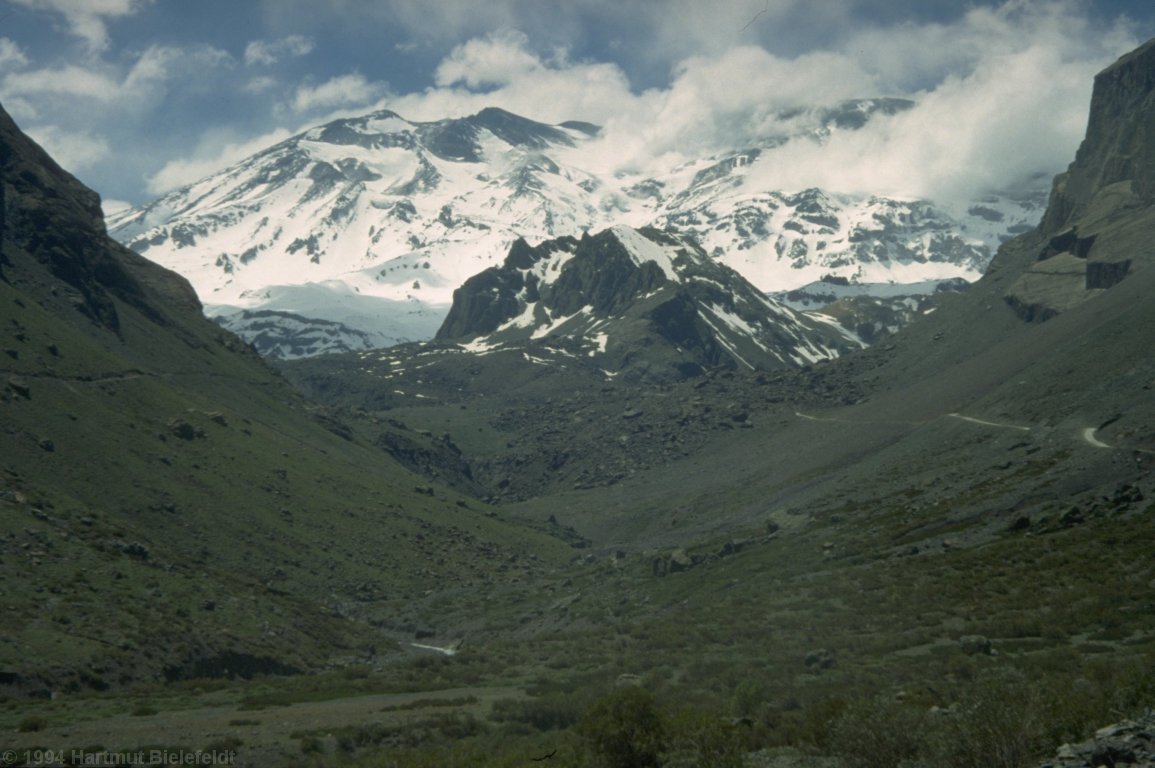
{"x":370,"y":223}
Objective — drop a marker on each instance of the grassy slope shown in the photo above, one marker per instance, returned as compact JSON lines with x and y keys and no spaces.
{"x":166,"y":498}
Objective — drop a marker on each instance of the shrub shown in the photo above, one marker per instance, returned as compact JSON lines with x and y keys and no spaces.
{"x":624,"y":729}
{"x":879,"y":734}
{"x":312,"y":745}
{"x":31,"y":724}
{"x":749,"y":697}
{"x":548,"y":713}
{"x":1000,"y":726}
{"x":702,"y":738}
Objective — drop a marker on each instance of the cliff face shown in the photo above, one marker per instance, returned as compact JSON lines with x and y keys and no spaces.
{"x":1100,"y":222}
{"x":49,"y":217}
{"x":1120,"y":141}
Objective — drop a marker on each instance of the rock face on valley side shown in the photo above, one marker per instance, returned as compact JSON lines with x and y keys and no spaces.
{"x":1119,"y":145}
{"x":1098,"y":226}
{"x":47,"y":215}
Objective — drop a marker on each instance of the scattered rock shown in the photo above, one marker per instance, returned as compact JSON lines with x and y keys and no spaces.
{"x":1072,"y":517}
{"x":1126,"y":495}
{"x":1131,"y":742}
{"x":1021,"y":523}
{"x":680,"y":561}
{"x":20,"y":387}
{"x":136,"y":550}
{"x":183,"y":430}
{"x":820,"y":659}
{"x":973,"y":645}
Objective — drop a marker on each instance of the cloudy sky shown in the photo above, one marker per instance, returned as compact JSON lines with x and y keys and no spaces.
{"x":138,"y":97}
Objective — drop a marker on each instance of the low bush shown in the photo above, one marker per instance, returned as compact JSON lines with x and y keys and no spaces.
{"x":624,"y":729}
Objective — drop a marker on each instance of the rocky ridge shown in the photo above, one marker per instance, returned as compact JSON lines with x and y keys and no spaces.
{"x":641,"y":302}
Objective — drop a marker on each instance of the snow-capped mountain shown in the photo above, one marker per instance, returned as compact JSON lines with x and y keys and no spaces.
{"x":639,"y":301}
{"x":370,"y":223}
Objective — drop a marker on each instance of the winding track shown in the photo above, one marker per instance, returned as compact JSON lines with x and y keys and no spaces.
{"x":1087,"y":434}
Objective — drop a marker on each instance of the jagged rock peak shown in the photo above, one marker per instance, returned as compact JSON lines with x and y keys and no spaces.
{"x":633,"y":299}
{"x":1120,"y":142}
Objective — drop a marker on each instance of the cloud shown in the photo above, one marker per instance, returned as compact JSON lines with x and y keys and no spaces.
{"x":669,"y":80}
{"x":157,"y":65}
{"x":102,"y":83}
{"x":73,"y":151}
{"x":71,"y":81}
{"x":1001,"y":96}
{"x":494,"y":61}
{"x":10,"y":55}
{"x":265,"y":53}
{"x":214,"y":153}
{"x":1013,"y":107}
{"x":712,"y":102}
{"x":111,"y":206}
{"x":738,"y":97}
{"x":500,"y":70}
{"x":342,"y":91}
{"x":85,"y":18}
{"x":261,"y":85}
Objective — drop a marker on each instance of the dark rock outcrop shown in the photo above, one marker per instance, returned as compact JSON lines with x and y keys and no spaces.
{"x":646,"y":301}
{"x":1130,"y":742}
{"x":1120,"y":141}
{"x":46,"y":213}
{"x":1098,"y":224}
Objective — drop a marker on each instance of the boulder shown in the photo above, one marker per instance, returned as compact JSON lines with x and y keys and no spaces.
{"x":819,"y":659}
{"x":973,"y":645}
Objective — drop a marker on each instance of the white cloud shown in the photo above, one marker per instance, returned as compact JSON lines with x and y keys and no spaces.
{"x":712,"y":103}
{"x":157,"y":65}
{"x":111,"y":206}
{"x":500,"y":71}
{"x":71,"y":81}
{"x":213,"y":154}
{"x":342,"y":91}
{"x":267,"y":53}
{"x":1002,"y":90}
{"x":75,"y":152}
{"x":85,"y":18}
{"x":260,"y":85}
{"x":10,"y":55}
{"x":733,"y":99}
{"x":1015,"y":107}
{"x":497,"y":60}
{"x":1002,"y":95}
{"x":142,"y":81}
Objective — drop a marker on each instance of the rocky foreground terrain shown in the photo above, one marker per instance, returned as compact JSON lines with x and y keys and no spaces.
{"x":1129,"y":742}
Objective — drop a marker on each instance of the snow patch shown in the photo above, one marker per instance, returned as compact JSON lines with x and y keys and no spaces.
{"x":642,"y":249}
